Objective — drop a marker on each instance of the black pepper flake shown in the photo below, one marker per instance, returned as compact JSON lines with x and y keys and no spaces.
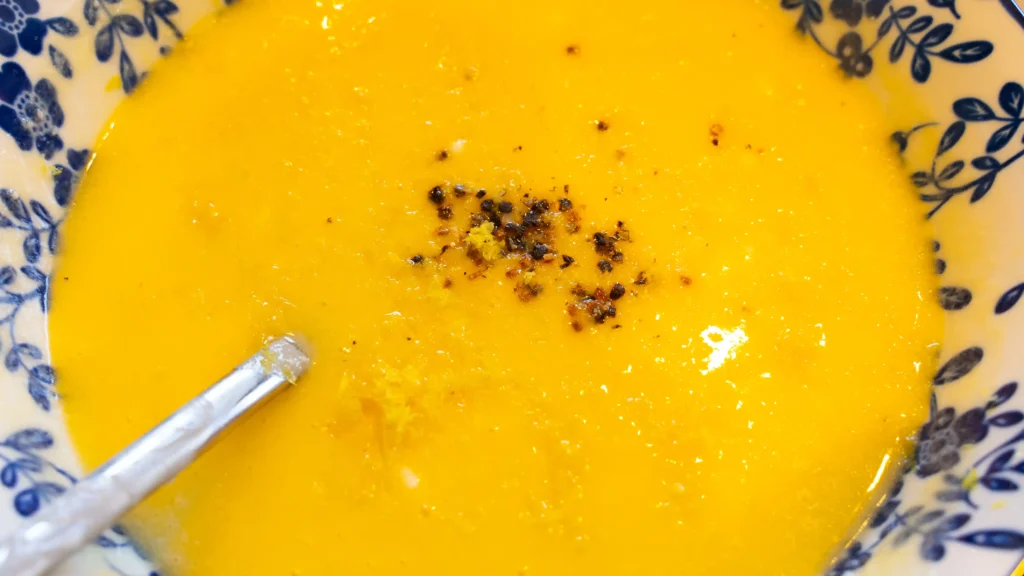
{"x":538,"y":251}
{"x":604,"y":266}
{"x":617,"y":291}
{"x":567,"y":261}
{"x":602,"y":125}
{"x":564,"y":204}
{"x":444,"y":212}
{"x":565,"y":188}
{"x":617,"y":326}
{"x":459,"y":190}
{"x":481,"y":193}
{"x":618,"y":257}
{"x":330,"y":220}
{"x":487,"y":205}
{"x":442,"y":155}
{"x":641,"y":279}
{"x":540,"y":206}
{"x":436,"y":195}
{"x":417,"y":259}
{"x":505,"y":206}
{"x":531,"y":219}
{"x":572,"y":49}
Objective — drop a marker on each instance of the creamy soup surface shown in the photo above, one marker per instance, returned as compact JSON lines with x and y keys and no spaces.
{"x":592,"y":287}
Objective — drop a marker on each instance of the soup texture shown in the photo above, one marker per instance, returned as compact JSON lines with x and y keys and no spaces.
{"x":592,"y":287}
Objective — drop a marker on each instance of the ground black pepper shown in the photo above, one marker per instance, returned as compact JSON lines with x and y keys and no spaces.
{"x":617,"y":291}
{"x":436,"y":195}
{"x":487,"y":205}
{"x":602,"y":125}
{"x":564,"y":204}
{"x":444,"y":212}
{"x":459,"y":190}
{"x":417,"y":259}
{"x":505,"y":207}
{"x":481,"y":193}
{"x":566,"y":261}
{"x":538,"y":251}
{"x":442,"y":155}
{"x":604,"y":266}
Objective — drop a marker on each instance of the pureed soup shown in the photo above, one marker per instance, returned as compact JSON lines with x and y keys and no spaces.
{"x":593,"y":287}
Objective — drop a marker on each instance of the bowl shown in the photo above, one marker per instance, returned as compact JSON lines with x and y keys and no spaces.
{"x":957,"y":508}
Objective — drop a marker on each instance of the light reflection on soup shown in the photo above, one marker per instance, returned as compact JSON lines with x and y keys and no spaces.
{"x":593,"y":288}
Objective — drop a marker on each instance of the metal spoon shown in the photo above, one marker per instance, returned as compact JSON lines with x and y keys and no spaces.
{"x":97,"y":501}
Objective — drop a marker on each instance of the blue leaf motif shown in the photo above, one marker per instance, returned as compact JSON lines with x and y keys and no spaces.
{"x":1005,"y":392}
{"x":997,"y":484}
{"x":936,"y":35}
{"x":128,"y":24}
{"x":30,"y":439}
{"x":906,"y":12}
{"x":53,"y":240}
{"x":1009,"y":299}
{"x":9,"y":475}
{"x":896,"y":50}
{"x":985,"y":163}
{"x":973,"y":110}
{"x":90,"y":11}
{"x":951,"y":170}
{"x":28,"y":464}
{"x":60,"y":62}
{"x":39,"y":394}
{"x":951,"y":136}
{"x":15,"y":205}
{"x":1011,"y":99}
{"x":104,"y":43}
{"x":951,"y":523}
{"x":33,"y":273}
{"x":46,"y":375}
{"x":26,"y":502}
{"x":104,"y":542}
{"x":1001,"y":539}
{"x":1000,"y":462}
{"x":983,"y":185}
{"x":1001,"y":137}
{"x":39,"y":210}
{"x":165,"y":7}
{"x":959,"y":366}
{"x":62,"y":26}
{"x":967,"y":52}
{"x":129,"y":78}
{"x":1006,"y":419}
{"x":12,"y":361}
{"x":29,"y":350}
{"x":919,"y":24}
{"x":149,"y":20}
{"x":32,"y":247}
{"x":7,"y":275}
{"x":932,"y":550}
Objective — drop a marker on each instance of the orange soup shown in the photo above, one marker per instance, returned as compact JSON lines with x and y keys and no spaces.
{"x":592,"y":287}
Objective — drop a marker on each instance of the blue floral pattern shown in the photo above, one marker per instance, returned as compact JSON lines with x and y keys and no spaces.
{"x":919,"y":35}
{"x":968,"y":452}
{"x":949,"y":519}
{"x":30,"y":113}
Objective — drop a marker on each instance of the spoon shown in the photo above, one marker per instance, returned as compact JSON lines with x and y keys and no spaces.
{"x":98,"y":500}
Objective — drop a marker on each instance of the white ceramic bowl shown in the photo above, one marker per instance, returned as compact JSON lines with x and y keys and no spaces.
{"x":958,"y":510}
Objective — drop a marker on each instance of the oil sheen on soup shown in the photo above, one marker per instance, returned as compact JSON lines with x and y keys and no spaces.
{"x":592,"y":287}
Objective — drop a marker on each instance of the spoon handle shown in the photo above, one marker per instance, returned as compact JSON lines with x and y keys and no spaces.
{"x":98,"y":500}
